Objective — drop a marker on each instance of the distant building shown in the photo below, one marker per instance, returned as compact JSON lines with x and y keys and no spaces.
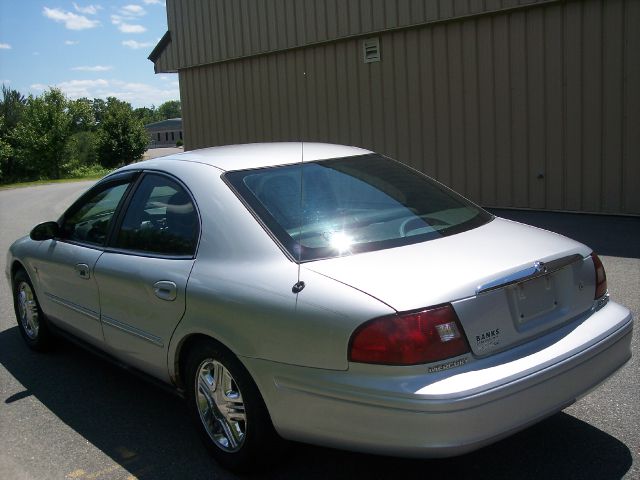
{"x":164,"y":133}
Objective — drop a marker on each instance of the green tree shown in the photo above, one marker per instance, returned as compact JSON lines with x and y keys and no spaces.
{"x":6,"y":152}
{"x":147,"y":115}
{"x":82,"y":115}
{"x":98,"y":108}
{"x":12,"y":105}
{"x":81,"y":150}
{"x":170,"y":109}
{"x":121,"y":137}
{"x":41,"y":135}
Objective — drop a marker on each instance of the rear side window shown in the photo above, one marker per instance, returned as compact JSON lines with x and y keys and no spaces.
{"x":160,"y":218}
{"x":348,"y":205}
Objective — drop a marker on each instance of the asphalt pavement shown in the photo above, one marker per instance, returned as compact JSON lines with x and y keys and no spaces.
{"x":70,"y":415}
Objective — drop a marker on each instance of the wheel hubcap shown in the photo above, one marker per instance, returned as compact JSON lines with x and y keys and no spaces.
{"x":28,"y":310}
{"x":220,"y":405}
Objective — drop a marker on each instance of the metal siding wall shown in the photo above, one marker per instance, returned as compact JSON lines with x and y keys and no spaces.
{"x":208,"y":31}
{"x":486,"y":105}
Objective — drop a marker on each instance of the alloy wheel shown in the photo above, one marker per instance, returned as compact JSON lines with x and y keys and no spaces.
{"x":220,"y":405}
{"x":28,"y":310}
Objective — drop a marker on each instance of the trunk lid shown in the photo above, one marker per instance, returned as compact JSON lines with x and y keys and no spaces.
{"x":489,"y":274}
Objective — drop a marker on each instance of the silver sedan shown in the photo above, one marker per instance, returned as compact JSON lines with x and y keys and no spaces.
{"x":323,"y":294}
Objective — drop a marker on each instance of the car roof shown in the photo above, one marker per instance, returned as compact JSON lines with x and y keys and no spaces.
{"x":259,"y":155}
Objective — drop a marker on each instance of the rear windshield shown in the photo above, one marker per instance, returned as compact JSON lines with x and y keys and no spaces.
{"x":344,"y":206}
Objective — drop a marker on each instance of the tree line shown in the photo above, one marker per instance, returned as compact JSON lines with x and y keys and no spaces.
{"x":50,"y":136}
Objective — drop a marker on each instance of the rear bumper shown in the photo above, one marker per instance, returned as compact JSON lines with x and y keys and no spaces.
{"x":403,"y":411}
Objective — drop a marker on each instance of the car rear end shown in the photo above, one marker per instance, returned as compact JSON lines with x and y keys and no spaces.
{"x":461,"y":401}
{"x":496,"y":325}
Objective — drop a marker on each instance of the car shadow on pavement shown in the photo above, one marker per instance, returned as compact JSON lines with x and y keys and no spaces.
{"x":147,"y":431}
{"x":611,"y":235}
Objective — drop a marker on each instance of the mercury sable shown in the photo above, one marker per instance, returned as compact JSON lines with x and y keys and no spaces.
{"x":323,"y":294}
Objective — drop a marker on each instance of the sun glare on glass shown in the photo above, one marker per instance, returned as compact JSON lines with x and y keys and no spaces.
{"x":340,"y":241}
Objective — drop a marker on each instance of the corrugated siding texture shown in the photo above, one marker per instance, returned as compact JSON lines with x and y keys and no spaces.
{"x":218,"y":30}
{"x":537,"y":108}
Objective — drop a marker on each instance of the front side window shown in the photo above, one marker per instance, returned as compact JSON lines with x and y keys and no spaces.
{"x":160,"y":219}
{"x":342,"y":206}
{"x":89,"y":221}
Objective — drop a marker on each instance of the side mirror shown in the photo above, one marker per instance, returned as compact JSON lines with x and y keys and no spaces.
{"x":45,"y":231}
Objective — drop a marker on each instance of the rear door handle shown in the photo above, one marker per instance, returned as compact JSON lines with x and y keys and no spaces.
{"x":82,"y":269}
{"x":165,"y":290}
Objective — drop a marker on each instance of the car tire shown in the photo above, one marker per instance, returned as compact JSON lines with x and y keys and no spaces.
{"x":31,"y":321}
{"x":228,"y":410}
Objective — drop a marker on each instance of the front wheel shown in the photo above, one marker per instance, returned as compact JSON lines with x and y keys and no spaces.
{"x":228,"y":409}
{"x":31,"y":321}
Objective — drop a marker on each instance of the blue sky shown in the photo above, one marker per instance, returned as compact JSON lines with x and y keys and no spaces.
{"x":87,"y":49}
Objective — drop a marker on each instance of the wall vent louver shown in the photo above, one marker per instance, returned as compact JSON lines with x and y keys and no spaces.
{"x":371,"y":50}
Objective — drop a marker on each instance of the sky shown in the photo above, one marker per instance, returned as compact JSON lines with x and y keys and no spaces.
{"x":91,"y":49}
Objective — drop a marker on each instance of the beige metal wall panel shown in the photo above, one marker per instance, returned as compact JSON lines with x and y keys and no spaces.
{"x":536,"y":108}
{"x":210,"y":31}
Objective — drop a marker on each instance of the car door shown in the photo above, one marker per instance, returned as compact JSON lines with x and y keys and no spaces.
{"x":143,"y":274}
{"x":65,"y":265}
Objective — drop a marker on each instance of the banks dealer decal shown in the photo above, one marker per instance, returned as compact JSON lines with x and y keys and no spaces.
{"x":488,"y":339}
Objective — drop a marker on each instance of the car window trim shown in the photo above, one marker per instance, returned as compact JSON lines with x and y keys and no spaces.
{"x":123,"y":209}
{"x":111,"y":237}
{"x":142,"y":253}
{"x":116,"y":178}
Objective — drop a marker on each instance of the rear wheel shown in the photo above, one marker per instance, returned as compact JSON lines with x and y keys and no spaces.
{"x":228,"y":409}
{"x":31,"y":321}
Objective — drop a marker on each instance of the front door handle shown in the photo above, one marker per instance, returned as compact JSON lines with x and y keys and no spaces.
{"x":165,"y":290}
{"x":82,"y":269}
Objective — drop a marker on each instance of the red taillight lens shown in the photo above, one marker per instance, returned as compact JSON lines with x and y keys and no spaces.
{"x":409,"y":338}
{"x":601,"y":276}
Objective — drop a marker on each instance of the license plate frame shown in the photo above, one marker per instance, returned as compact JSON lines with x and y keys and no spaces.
{"x":534,"y":298}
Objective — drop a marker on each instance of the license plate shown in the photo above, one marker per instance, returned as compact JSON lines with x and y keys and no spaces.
{"x":534,"y":298}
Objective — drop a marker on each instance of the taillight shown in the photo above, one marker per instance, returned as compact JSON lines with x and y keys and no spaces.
{"x":601,"y":277}
{"x":409,"y":338}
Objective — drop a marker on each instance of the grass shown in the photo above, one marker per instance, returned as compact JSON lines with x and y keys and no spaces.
{"x":78,"y":174}
{"x":47,"y":182}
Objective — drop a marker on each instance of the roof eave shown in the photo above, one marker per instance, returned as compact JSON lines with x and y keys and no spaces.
{"x":159,"y":48}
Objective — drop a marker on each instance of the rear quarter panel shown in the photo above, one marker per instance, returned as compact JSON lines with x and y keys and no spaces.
{"x":239,"y":291}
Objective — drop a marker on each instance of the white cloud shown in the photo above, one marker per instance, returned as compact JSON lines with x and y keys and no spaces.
{"x":40,"y":87}
{"x":82,"y":88}
{"x":71,"y":42}
{"x":133,"y":11}
{"x":70,"y":19}
{"x":125,"y":27}
{"x":153,"y":2}
{"x":89,"y":9}
{"x":138,"y":94}
{"x":137,"y":45}
{"x":130,"y":28}
{"x":170,"y":80}
{"x":5,"y":46}
{"x":95,"y":68}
